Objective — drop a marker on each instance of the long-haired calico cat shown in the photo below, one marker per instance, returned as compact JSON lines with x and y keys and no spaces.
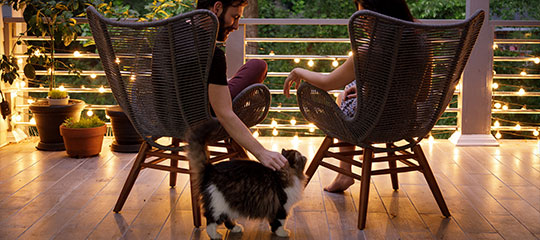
{"x":244,"y":188}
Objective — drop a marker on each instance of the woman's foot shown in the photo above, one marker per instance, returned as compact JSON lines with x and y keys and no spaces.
{"x":340,"y":184}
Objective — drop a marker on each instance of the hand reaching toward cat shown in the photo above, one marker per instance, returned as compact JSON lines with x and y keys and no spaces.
{"x":271,"y":159}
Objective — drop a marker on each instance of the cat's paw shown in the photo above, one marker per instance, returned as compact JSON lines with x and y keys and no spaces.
{"x":211,"y":231}
{"x":214,"y":235}
{"x":282,"y":232}
{"x":237,"y":228}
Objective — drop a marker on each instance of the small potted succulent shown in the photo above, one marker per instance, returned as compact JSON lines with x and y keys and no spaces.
{"x":83,"y":138}
{"x":58,"y":97}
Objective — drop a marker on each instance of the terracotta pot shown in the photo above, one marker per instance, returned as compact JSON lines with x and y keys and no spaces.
{"x":48,"y":120}
{"x":58,"y":101}
{"x":83,"y":142}
{"x":126,"y":138}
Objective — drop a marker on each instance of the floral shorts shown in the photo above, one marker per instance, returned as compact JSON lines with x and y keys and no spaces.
{"x":349,"y":106}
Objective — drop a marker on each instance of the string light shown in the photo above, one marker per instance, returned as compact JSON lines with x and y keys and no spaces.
{"x":274,"y":123}
{"x":62,"y":88}
{"x":497,"y":124}
{"x":275,"y":132}
{"x":107,"y":116}
{"x":311,"y":127}
{"x":536,"y":60}
{"x":132,"y":77}
{"x":90,"y":113}
{"x":505,"y":107}
{"x":458,"y":87}
{"x":335,"y":63}
{"x":32,"y":121}
{"x":295,"y":139}
{"x":271,"y":53}
{"x":431,"y":139}
{"x":117,"y":61}
{"x":336,"y":94}
{"x":101,"y":89}
{"x":517,"y":127}
{"x":37,"y":52}
{"x":19,"y":61}
{"x":523,"y":73}
{"x":495,"y":46}
{"x":497,"y":105}
{"x":256,"y":134}
{"x":30,"y":101}
{"x":350,"y":53}
{"x":83,"y":87}
{"x":93,"y":76}
{"x":297,"y":60}
{"x":521,"y":92}
{"x":49,"y":71}
{"x":77,"y":54}
{"x":18,"y":118}
{"x":310,"y":63}
{"x":498,"y":135}
{"x":293,"y":121}
{"x":495,"y":85}
{"x":535,"y":132}
{"x":336,"y":140}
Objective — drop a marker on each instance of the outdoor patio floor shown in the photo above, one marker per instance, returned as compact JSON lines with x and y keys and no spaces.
{"x":492,"y":193}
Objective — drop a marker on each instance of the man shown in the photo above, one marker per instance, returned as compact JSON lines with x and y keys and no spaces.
{"x":221,"y":92}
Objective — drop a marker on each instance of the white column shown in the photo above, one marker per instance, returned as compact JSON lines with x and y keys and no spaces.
{"x":476,"y":92}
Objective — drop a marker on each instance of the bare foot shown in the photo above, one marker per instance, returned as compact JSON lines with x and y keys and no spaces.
{"x":340,"y":184}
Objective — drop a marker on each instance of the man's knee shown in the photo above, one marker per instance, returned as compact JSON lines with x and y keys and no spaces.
{"x":259,"y":67}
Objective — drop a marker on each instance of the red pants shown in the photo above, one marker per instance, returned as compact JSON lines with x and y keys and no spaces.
{"x":254,"y":71}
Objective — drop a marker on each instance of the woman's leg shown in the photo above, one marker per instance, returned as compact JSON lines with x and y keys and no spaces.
{"x":254,"y":71}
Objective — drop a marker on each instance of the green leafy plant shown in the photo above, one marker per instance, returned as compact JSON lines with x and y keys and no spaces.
{"x":91,"y":122}
{"x":57,"y":94}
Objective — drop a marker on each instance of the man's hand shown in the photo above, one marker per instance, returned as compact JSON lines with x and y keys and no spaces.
{"x":349,"y":93}
{"x":272,"y":160}
{"x":292,"y":78}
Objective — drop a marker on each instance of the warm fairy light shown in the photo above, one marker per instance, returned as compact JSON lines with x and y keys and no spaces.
{"x":535,"y":132}
{"x":83,"y":87}
{"x":335,"y":63}
{"x":93,"y":76}
{"x":523,"y":73}
{"x":498,"y":135}
{"x":274,"y":123}
{"x":77,"y":54}
{"x":517,"y":127}
{"x":90,"y":113}
{"x":62,"y":88}
{"x":256,"y":134}
{"x":132,"y":77}
{"x":498,"y":105}
{"x":310,"y":63}
{"x":336,"y":94}
{"x":107,"y":116}
{"x":22,"y":84}
{"x":350,"y":53}
{"x":30,"y":101}
{"x":18,"y":118}
{"x":311,"y":127}
{"x":275,"y":132}
{"x":495,"y":85}
{"x":40,"y":85}
{"x":536,"y":60}
{"x":521,"y":92}
{"x":505,"y":107}
{"x":15,"y":94}
{"x":495,"y":46}
{"x":293,"y":121}
{"x":497,"y":124}
{"x":20,"y":61}
{"x":117,"y":61}
{"x":295,"y":138}
{"x":524,"y":107}
{"x":431,"y":139}
{"x":32,"y":121}
{"x":458,"y":87}
{"x":297,"y":60}
{"x":336,"y":140}
{"x":37,"y":52}
{"x":271,"y":53}
{"x":101,"y":89}
{"x":494,"y":72}
{"x":49,"y":71}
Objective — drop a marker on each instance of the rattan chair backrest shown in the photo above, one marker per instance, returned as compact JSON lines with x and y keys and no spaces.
{"x":158,"y":70}
{"x":406,"y":73}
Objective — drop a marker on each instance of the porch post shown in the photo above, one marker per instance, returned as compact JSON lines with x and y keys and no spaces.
{"x":235,"y":50}
{"x":475,"y":98}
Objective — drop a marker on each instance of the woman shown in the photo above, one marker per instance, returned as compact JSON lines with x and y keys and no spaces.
{"x":344,"y":76}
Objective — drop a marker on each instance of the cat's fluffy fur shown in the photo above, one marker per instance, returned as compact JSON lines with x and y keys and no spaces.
{"x":243,"y":188}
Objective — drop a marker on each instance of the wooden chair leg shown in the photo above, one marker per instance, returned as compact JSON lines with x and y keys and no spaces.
{"x":318,"y":158}
{"x":393,"y":165}
{"x":174,"y":163}
{"x":195,"y":205}
{"x":130,"y":181}
{"x":364,"y":188}
{"x":235,"y":147}
{"x":430,"y":178}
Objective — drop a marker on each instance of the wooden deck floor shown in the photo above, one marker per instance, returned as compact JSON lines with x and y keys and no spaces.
{"x":492,"y":193}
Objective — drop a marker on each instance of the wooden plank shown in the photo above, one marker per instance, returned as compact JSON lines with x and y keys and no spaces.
{"x":495,"y":187}
{"x":443,"y":228}
{"x":404,"y":215}
{"x":525,"y":213}
{"x":510,"y":228}
{"x":484,"y":236}
{"x":530,"y":194}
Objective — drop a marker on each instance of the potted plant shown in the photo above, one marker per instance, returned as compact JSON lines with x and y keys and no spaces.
{"x":58,"y":97}
{"x":126,"y":138}
{"x":83,"y":138}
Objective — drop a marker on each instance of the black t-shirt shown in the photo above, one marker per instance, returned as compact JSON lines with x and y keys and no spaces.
{"x":218,"y":69}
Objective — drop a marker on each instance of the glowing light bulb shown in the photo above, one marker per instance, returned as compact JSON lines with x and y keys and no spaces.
{"x":107,"y":116}
{"x":83,"y":87}
{"x":497,"y":124}
{"x":20,"y":61}
{"x":93,"y":76}
{"x":293,"y":121}
{"x":77,"y":54}
{"x":32,"y":121}
{"x":310,"y":63}
{"x":497,"y":105}
{"x":495,"y":46}
{"x":275,"y":132}
{"x":350,"y":53}
{"x":274,"y":123}
{"x":271,"y":53}
{"x":536,"y":60}
{"x":295,"y":138}
{"x":336,"y":94}
{"x":117,"y":61}
{"x":18,"y":118}
{"x":535,"y":132}
{"x":256,"y":134}
{"x":132,"y":77}
{"x":505,"y":107}
{"x":495,"y":85}
{"x":431,"y":139}
{"x":49,"y":71}
{"x":62,"y":88}
{"x":498,"y":135}
{"x":90,"y":113}
{"x":335,"y":63}
{"x":22,"y":84}
{"x":521,"y":92}
{"x":517,"y":127}
{"x":458,"y":87}
{"x":523,"y":73}
{"x":311,"y":127}
{"x":297,"y":60}
{"x":30,"y":101}
{"x":37,"y":52}
{"x":101,"y":89}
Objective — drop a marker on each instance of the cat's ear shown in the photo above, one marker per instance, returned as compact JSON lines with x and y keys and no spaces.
{"x":283,"y":151}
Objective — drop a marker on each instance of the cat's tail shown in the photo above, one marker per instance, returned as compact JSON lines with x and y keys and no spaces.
{"x":197,"y":139}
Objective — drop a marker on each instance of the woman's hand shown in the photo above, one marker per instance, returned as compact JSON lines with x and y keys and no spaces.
{"x":271,"y":159}
{"x":349,"y":93}
{"x":292,"y":78}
